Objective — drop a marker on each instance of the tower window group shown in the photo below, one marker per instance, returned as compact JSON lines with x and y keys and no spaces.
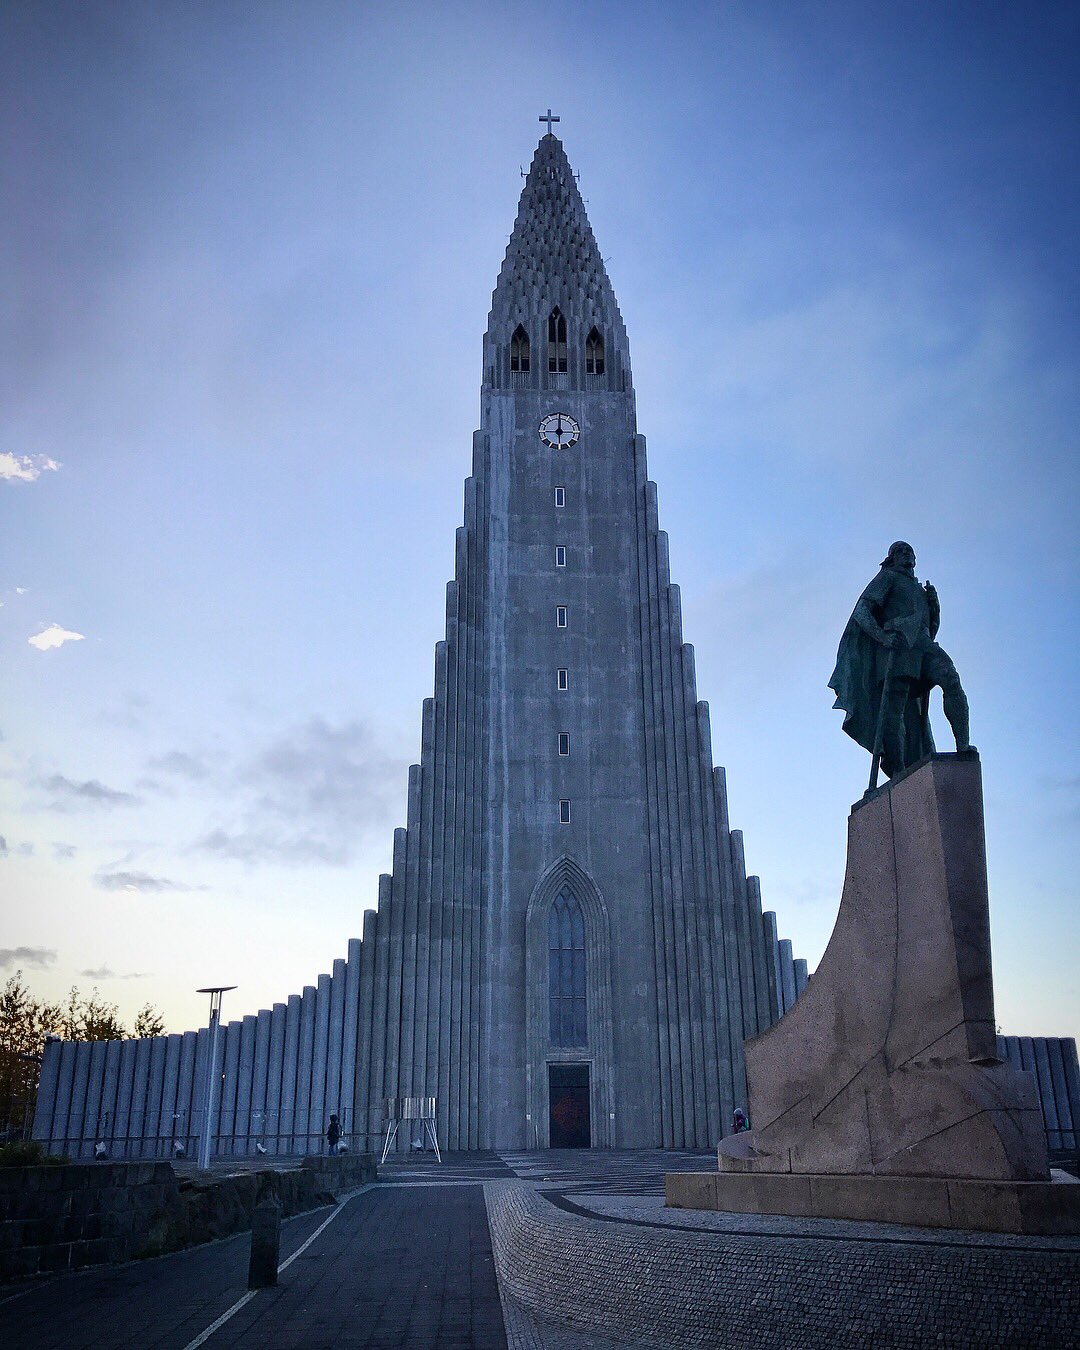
{"x":557,"y":342}
{"x":519,"y":350}
{"x":594,"y":353}
{"x":566,"y":972}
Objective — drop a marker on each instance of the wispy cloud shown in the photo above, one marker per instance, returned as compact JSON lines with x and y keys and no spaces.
{"x":62,"y":852}
{"x":25,"y":468}
{"x":181,"y":763}
{"x":67,"y":792}
{"x":54,"y":636}
{"x":38,"y":958}
{"x":106,"y":973}
{"x":141,"y":882}
{"x":311,"y":796}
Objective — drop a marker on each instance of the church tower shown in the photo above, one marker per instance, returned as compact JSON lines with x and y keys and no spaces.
{"x":568,"y":950}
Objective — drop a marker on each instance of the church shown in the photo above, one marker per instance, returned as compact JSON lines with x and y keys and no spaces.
{"x":568,"y":950}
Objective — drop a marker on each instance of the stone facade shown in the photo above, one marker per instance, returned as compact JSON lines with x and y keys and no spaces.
{"x":564,"y":753}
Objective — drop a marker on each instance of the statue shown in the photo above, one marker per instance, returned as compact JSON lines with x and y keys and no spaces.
{"x":887,"y":664}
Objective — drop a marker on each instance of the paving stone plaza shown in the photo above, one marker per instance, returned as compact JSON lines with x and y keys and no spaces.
{"x":562,"y":1251}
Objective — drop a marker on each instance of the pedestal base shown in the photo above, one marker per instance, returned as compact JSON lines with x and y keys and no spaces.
{"x":1044,"y":1207}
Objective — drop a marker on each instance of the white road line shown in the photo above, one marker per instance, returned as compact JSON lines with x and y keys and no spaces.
{"x":204,"y":1336}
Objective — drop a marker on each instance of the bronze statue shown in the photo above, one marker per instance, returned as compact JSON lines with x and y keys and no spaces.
{"x":888,"y":663}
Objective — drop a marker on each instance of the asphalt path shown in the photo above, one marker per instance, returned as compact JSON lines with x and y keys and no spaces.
{"x":394,"y":1266}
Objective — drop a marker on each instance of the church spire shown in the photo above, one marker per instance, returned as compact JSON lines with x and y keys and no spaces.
{"x":552,"y":262}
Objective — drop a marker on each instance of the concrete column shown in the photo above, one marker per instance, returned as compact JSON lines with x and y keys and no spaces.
{"x":742,"y":918}
{"x":470,"y":872}
{"x":675,"y":1029}
{"x":318,"y":1111}
{"x":156,"y":1086}
{"x":773,"y":952}
{"x":169,"y":1124}
{"x":185,"y":1091}
{"x":435,"y":886}
{"x":126,"y":1083}
{"x":1066,"y":1118}
{"x":455,"y":793}
{"x":801,"y":975}
{"x":272,"y":1106}
{"x":242,"y":1143}
{"x":381,"y":990}
{"x":445,"y":895}
{"x":290,"y":1066}
{"x":365,"y":1093}
{"x":760,"y":954}
{"x":350,"y":1033}
{"x":420,"y":999}
{"x":661,"y":940}
{"x":48,"y":1082}
{"x":787,"y":973}
{"x":712,"y":936}
{"x":139,"y":1103}
{"x":1072,"y":1082}
{"x":261,"y":1125}
{"x":229,"y":1043}
{"x":335,"y":1099}
{"x":1046,"y":1093}
{"x":397,"y":941}
{"x":410,"y":882}
{"x":92,"y":1108}
{"x":734,"y":956}
{"x":481,"y":1050}
{"x":80,"y":1072}
{"x":305,"y":1126}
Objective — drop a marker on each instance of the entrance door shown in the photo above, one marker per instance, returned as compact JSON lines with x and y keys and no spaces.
{"x":568,"y":1098}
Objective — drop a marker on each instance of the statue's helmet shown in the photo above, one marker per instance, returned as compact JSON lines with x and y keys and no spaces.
{"x":894,"y":549}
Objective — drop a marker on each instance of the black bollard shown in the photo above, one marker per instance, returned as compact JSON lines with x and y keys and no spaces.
{"x":265,"y":1235}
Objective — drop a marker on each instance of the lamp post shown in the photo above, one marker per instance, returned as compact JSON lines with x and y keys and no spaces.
{"x":215,"y":992}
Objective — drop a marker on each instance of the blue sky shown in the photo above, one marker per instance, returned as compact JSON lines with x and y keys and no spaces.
{"x":250,"y":251}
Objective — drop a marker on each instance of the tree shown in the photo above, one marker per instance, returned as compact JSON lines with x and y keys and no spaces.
{"x":148,"y":1021}
{"x":26,"y":1021}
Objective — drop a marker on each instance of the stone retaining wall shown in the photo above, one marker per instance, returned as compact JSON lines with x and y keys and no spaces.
{"x":82,"y":1214}
{"x":659,"y":1286}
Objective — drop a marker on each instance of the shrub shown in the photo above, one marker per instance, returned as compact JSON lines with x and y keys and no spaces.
{"x":28,"y":1153}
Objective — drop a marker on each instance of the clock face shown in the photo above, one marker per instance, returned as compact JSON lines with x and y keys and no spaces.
{"x":559,"y":430}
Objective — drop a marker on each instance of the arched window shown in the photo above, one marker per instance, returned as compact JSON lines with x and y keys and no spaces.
{"x":556,"y":342}
{"x":566,"y":972}
{"x":519,"y":349}
{"x":594,"y":353}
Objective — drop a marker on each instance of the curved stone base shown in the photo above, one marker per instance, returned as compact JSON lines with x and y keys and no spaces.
{"x":662,"y":1283}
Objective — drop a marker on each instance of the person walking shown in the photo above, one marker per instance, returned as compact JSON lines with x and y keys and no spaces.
{"x":333,"y":1132}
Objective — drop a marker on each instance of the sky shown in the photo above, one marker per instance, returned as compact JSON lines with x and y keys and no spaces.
{"x":248,"y":257}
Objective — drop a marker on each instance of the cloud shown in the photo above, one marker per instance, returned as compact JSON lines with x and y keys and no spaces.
{"x":181,"y":763}
{"x":38,"y":958}
{"x":3,"y":847}
{"x":25,"y":468}
{"x":62,"y":852}
{"x":67,"y":792}
{"x":312,"y":795}
{"x":54,"y":636}
{"x":23,"y":850}
{"x":105,"y":973}
{"x":137,"y":881}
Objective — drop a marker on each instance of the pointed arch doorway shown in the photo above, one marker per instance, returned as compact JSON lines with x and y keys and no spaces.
{"x":569,"y":1066}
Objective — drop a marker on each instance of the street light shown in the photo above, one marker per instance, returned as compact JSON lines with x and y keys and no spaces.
{"x":215,"y":992}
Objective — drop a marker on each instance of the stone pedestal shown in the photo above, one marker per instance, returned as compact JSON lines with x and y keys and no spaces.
{"x":881,"y":1089}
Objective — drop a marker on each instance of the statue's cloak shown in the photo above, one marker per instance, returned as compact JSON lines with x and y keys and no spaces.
{"x":861,"y":664}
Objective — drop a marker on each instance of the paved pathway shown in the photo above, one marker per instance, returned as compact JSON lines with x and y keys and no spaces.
{"x":396,"y":1267}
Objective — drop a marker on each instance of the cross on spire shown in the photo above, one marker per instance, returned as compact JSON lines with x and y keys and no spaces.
{"x":548,"y":117}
